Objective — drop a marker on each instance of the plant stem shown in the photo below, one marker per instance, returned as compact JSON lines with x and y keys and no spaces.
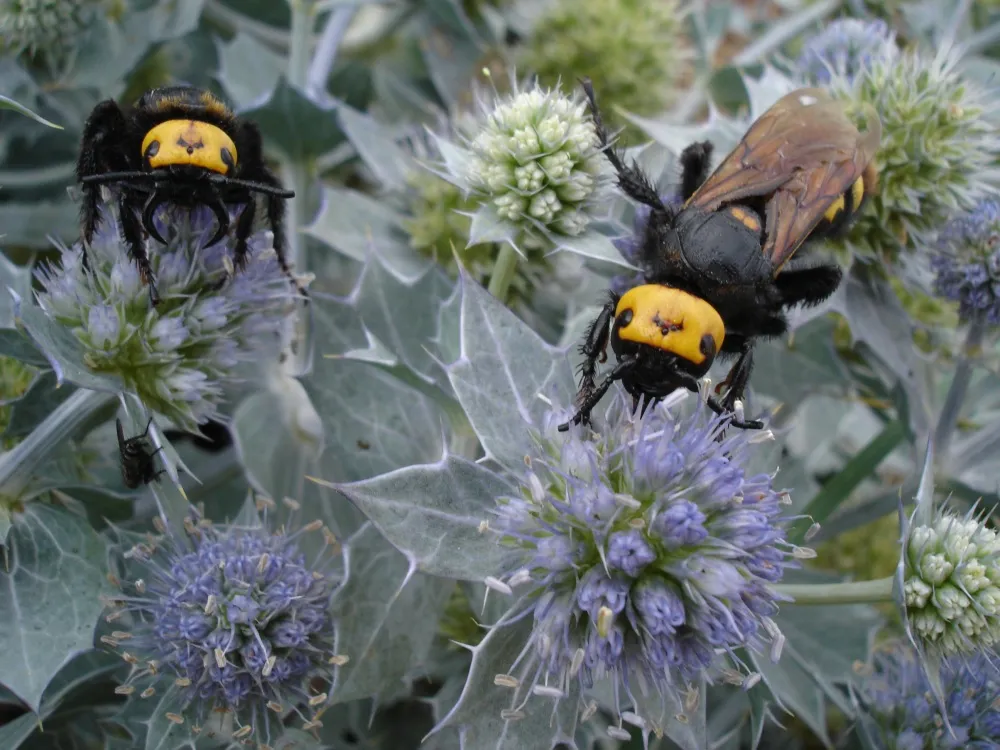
{"x":852,"y":592}
{"x":18,"y":465}
{"x":296,"y":174}
{"x":959,"y":387}
{"x":300,"y":33}
{"x":327,"y":48}
{"x":503,"y":272}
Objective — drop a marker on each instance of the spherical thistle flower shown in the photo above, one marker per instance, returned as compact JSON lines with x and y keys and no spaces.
{"x":938,"y":151}
{"x":235,"y":616}
{"x":636,"y":52}
{"x":648,"y":551}
{"x":967,"y":263}
{"x":898,"y":697}
{"x":844,"y":48}
{"x":43,"y":25}
{"x":178,"y":356}
{"x":536,"y":163}
{"x":951,"y":585}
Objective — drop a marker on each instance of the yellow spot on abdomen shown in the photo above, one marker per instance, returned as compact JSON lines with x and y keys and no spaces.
{"x":190,"y":143}
{"x":857,"y":192}
{"x":745,"y":218}
{"x":671,"y":320}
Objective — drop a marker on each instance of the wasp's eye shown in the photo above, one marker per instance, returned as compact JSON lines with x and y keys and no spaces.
{"x":707,"y":345}
{"x":624,"y":318}
{"x":153,"y":149}
{"x":227,"y":158}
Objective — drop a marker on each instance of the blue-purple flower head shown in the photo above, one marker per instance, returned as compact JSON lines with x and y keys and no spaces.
{"x":967,"y":263}
{"x":630,"y":246}
{"x":844,"y":48}
{"x":178,"y":356}
{"x":648,"y":552}
{"x":234,"y":616}
{"x":906,"y":716}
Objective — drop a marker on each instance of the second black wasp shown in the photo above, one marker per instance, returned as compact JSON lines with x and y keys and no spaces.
{"x":136,"y":454}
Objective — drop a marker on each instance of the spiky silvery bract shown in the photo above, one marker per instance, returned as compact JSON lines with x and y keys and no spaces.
{"x":42,"y":25}
{"x":439,"y":227}
{"x":844,"y":48}
{"x":235,"y":617}
{"x":646,"y":551}
{"x":636,"y":52}
{"x":951,"y":585}
{"x":898,"y":697}
{"x":178,"y":356}
{"x":938,"y":150}
{"x":967,"y":263}
{"x":535,"y":162}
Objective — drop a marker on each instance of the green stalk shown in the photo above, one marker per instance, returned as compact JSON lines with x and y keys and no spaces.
{"x":852,"y":592}
{"x":959,"y":387}
{"x":18,"y":465}
{"x":503,"y":272}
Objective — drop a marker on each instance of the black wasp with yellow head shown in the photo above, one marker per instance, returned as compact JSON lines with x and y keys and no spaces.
{"x":178,"y":145}
{"x":716,"y":270}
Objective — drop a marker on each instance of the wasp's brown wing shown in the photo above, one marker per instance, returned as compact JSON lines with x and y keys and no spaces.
{"x":804,"y":152}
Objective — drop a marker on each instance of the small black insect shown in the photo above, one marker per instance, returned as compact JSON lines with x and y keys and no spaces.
{"x":136,"y":457}
{"x":178,"y":145}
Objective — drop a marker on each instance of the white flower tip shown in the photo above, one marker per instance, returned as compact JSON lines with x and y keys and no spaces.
{"x":617,"y":733}
{"x":505,"y":680}
{"x":497,"y":585}
{"x":547,"y":691}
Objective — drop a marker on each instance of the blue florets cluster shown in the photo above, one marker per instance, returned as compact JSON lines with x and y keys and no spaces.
{"x":238,"y":617}
{"x":900,"y":700}
{"x":844,"y":48}
{"x":647,"y":551}
{"x":179,"y":356}
{"x":967,"y":263}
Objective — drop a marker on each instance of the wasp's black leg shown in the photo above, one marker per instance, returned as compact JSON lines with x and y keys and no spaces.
{"x":808,"y":286}
{"x":631,"y":180}
{"x":251,"y":152}
{"x":244,"y":226}
{"x":131,"y":229}
{"x":595,"y":346}
{"x":691,"y":383}
{"x":591,"y":400}
{"x":696,"y":160}
{"x":101,"y":150}
{"x":738,"y":377}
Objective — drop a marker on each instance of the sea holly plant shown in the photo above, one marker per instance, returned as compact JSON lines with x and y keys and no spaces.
{"x":425,"y":559}
{"x":644,"y":555}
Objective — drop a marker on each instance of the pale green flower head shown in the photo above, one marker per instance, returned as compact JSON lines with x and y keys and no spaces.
{"x":535,"y":166}
{"x":635,"y":51}
{"x":951,"y":585}
{"x":938,"y":152}
{"x":41,"y":25}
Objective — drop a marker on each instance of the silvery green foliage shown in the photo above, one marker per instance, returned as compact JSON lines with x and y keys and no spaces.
{"x":457,"y":597}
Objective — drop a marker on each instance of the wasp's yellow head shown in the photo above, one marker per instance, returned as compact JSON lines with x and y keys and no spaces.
{"x":189,"y":143}
{"x":670,"y":320}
